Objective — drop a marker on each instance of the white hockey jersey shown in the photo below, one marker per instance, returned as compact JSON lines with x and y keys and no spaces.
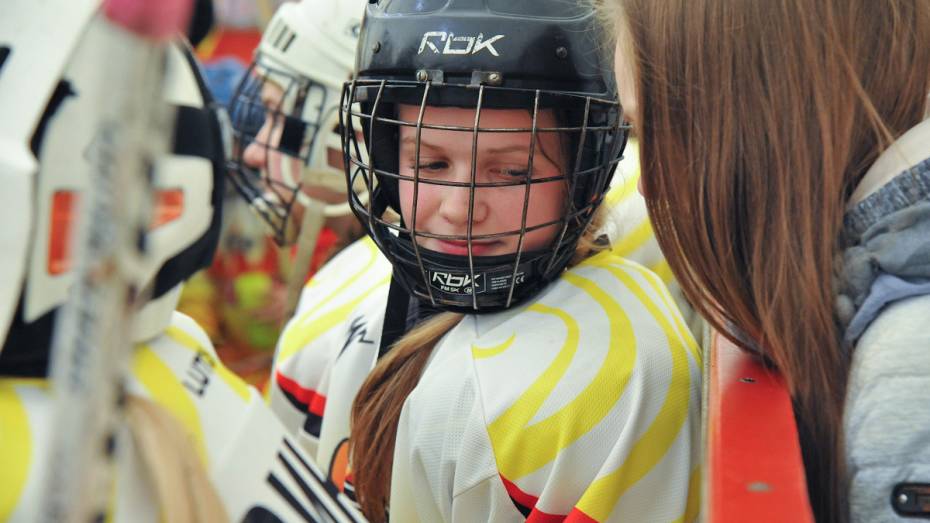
{"x":342,"y":307}
{"x":582,"y":404}
{"x":258,"y":471}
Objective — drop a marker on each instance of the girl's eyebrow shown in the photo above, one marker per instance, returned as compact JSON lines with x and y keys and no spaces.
{"x":412,"y":141}
{"x":510,"y":149}
{"x":541,"y":156}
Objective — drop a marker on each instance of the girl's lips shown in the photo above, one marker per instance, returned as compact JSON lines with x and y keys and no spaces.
{"x":460,"y":247}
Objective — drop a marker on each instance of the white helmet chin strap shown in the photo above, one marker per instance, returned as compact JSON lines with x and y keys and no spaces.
{"x":316,"y":178}
{"x":310,"y":227}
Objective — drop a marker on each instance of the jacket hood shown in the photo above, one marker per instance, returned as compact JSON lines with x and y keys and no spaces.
{"x":886,"y":235}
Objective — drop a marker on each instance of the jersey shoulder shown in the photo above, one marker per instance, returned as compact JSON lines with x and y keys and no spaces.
{"x":355,"y":280}
{"x":340,"y":313}
{"x":184,"y":352}
{"x":353,"y":270}
{"x":352,"y":287}
{"x":628,"y":227}
{"x":574,"y":383}
{"x":605,"y":301}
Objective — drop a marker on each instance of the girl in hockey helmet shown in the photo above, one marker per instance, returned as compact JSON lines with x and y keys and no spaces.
{"x":479,"y":358}
{"x":797,"y":133}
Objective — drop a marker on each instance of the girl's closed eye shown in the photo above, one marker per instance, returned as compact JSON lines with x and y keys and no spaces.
{"x":433,"y":165}
{"x":511,"y":172}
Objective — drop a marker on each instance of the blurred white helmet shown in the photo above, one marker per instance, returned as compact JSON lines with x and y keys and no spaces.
{"x":51,"y":97}
{"x":285,"y":113}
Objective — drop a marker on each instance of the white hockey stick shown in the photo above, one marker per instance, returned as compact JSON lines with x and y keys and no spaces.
{"x":91,"y":341}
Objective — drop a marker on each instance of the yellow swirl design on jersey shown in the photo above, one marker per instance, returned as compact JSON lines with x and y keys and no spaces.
{"x":521,"y":449}
{"x":670,"y":306}
{"x":15,"y":446}
{"x":305,"y":329}
{"x":508,"y":430}
{"x":663,"y":271}
{"x":633,"y":241}
{"x":480,"y":353}
{"x":168,"y":392}
{"x":297,"y":337}
{"x":604,"y":493}
{"x":372,"y":258}
{"x":642,"y":233}
{"x":620,"y":193}
{"x":231,"y":379}
{"x":628,"y":245}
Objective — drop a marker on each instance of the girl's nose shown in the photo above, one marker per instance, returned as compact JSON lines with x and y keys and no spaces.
{"x":456,"y":202}
{"x":255,"y":154}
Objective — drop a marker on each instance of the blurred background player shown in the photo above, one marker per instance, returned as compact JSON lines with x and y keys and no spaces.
{"x":287,"y":156}
{"x":180,"y":450}
{"x":289,"y":166}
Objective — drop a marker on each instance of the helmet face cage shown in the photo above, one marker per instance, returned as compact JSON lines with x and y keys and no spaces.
{"x":592,"y":128}
{"x":285,"y":129}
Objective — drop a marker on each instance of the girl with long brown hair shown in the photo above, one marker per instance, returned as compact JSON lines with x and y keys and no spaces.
{"x":785,"y":169}
{"x":483,"y":357}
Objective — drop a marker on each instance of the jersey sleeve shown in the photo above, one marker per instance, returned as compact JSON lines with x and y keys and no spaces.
{"x":584,"y":406}
{"x":337,"y":310}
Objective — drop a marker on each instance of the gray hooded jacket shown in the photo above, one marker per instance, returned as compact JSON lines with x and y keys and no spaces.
{"x":883,"y":301}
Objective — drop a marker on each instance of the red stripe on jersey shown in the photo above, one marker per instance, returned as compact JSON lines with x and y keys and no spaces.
{"x":577,"y":516}
{"x":527,"y":500}
{"x":317,"y":405}
{"x":315,"y":402}
{"x":538,"y":516}
{"x":527,"y":505}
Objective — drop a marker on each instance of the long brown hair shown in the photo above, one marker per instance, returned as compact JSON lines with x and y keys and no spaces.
{"x":180,"y":481}
{"x":377,"y":406}
{"x":756,"y":121}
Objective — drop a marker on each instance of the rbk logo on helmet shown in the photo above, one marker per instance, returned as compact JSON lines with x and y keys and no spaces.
{"x":458,"y":45}
{"x":456,"y":283}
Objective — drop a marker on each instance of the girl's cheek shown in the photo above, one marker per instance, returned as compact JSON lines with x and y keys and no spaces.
{"x":427,"y":200}
{"x":405,"y":191}
{"x":404,"y":200}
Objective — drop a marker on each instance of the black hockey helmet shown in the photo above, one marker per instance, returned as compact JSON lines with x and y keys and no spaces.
{"x":535,"y":55}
